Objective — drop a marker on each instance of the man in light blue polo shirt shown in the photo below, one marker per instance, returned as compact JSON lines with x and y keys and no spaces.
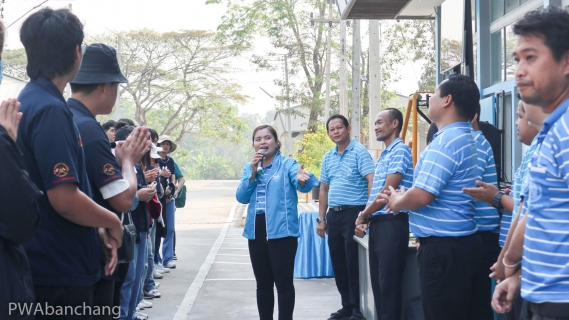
{"x":345,"y":182}
{"x":440,"y":214}
{"x":542,"y":77}
{"x":389,"y":233}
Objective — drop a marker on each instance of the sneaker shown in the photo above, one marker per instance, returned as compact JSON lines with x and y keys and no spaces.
{"x":174,"y":257}
{"x":343,"y":314}
{"x":156,"y":284}
{"x":165,"y":270}
{"x":162,"y":269}
{"x":157,"y":275}
{"x":154,"y":293}
{"x":147,"y":295}
{"x":170,"y":265}
{"x":145,"y":304}
{"x":140,"y":316}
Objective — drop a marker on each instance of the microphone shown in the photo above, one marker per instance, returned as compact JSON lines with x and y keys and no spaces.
{"x":260,"y":163}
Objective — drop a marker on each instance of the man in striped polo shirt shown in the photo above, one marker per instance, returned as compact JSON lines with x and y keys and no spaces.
{"x":490,"y":194}
{"x":345,"y":182}
{"x":389,"y":233}
{"x":542,"y":77}
{"x":440,"y":214}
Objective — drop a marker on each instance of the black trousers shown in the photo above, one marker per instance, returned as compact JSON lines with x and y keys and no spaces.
{"x":482,"y":290}
{"x":69,"y":299}
{"x":273,"y":265}
{"x":344,"y":255}
{"x":388,"y":245}
{"x":549,"y":311}
{"x":447,"y":274}
{"x":103,"y":296}
{"x":123,"y":270}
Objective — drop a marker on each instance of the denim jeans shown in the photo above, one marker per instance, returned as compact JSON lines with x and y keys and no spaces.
{"x":168,"y":244}
{"x":126,"y":289}
{"x":132,"y":286}
{"x":149,"y":280}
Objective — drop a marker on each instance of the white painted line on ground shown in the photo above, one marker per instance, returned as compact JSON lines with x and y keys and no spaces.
{"x":252,"y":279}
{"x":235,"y":255}
{"x":192,"y":293}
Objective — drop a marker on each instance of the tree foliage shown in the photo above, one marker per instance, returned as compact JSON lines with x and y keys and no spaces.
{"x":16,"y":61}
{"x":312,"y":149}
{"x":179,"y":82}
{"x":285,"y":23}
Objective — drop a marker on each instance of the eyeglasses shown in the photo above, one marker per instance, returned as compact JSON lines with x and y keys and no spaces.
{"x":83,"y":48}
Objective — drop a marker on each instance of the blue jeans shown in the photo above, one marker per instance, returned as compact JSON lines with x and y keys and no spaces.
{"x":131,"y":291}
{"x":168,"y":245}
{"x":149,"y":281}
{"x":126,"y":289}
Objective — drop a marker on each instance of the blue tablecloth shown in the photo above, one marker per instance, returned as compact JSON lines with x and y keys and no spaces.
{"x":312,"y":256}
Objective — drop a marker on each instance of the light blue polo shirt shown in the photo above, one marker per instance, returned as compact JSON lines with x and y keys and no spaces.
{"x":346,"y":175}
{"x":447,"y":165}
{"x":545,"y":263}
{"x":487,"y":217}
{"x":396,"y":158}
{"x":520,"y":178}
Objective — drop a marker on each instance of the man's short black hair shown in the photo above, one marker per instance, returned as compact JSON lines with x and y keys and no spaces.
{"x":50,"y":38}
{"x":123,"y":133}
{"x":127,"y":121}
{"x":85,"y":89}
{"x":337,"y":116}
{"x":549,"y":23}
{"x":395,"y":114}
{"x":464,"y":92}
{"x":109,"y":124}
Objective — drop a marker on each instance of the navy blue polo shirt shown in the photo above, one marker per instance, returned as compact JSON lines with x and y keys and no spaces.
{"x":61,"y":253}
{"x":140,"y":213}
{"x":102,"y":166}
{"x":168,"y":163}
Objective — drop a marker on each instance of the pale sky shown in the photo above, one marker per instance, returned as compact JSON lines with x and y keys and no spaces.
{"x":171,"y":15}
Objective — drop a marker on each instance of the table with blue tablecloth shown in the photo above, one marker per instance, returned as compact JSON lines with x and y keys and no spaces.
{"x":312,"y":256}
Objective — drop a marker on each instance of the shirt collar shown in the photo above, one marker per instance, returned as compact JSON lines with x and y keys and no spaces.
{"x":452,"y":126}
{"x":76,"y":104}
{"x":349,"y":147}
{"x":49,"y":86}
{"x":553,"y":117}
{"x":393,"y":144}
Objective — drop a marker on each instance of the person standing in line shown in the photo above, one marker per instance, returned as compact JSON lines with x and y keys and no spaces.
{"x":94,"y":92}
{"x":64,"y":253}
{"x":272,"y":220}
{"x":168,"y":146}
{"x":537,"y":256}
{"x":388,"y":233}
{"x":346,"y":178}
{"x":441,"y":216}
{"x":110,"y":130}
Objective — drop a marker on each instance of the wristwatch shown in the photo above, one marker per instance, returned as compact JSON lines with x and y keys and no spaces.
{"x":496,"y":201}
{"x":318,"y":219}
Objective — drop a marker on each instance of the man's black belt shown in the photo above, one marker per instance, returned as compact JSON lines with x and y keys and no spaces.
{"x":432,"y":239}
{"x":389,"y":217}
{"x":340,"y":208}
{"x":550,"y":309}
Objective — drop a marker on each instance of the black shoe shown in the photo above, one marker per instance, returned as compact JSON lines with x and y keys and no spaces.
{"x":357,"y":316}
{"x":342,"y":314}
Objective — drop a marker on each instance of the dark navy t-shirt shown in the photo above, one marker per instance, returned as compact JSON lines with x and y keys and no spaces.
{"x":102,"y":166}
{"x":61,"y":253}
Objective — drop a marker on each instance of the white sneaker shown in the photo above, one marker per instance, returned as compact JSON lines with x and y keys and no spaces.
{"x":140,"y":316}
{"x":156,"y":284}
{"x":146,"y":303}
{"x":157,"y":274}
{"x":154,"y":293}
{"x":170,"y":265}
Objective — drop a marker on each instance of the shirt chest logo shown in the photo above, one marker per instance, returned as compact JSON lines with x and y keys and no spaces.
{"x":108,"y":169}
{"x":60,"y":170}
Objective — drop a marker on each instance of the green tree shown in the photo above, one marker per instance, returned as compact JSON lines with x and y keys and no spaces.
{"x":312,"y":149}
{"x":16,"y":62}
{"x":179,"y":82}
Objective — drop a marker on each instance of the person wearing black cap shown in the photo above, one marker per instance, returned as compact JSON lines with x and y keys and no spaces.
{"x":64,"y":252}
{"x":113,"y":180}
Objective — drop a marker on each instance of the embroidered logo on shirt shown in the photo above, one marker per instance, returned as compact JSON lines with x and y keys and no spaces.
{"x":80,"y":142}
{"x":61,"y":169}
{"x":108,"y":169}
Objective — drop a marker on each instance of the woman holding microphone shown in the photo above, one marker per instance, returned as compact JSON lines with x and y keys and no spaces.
{"x":269,"y":184}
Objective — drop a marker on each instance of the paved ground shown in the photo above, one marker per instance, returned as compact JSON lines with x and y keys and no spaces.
{"x":214,"y":278}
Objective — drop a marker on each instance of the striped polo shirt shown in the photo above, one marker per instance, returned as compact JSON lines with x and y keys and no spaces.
{"x":520,"y":178}
{"x":346,"y":175}
{"x":545,"y":263}
{"x":396,"y":158}
{"x":261,"y":205}
{"x":446,"y":166}
{"x":487,"y":217}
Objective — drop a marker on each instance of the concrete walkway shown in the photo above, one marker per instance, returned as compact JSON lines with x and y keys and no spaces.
{"x":214,"y":278}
